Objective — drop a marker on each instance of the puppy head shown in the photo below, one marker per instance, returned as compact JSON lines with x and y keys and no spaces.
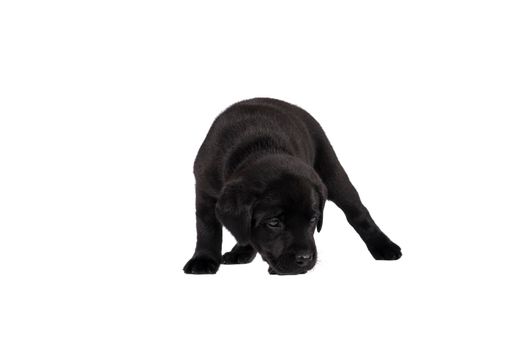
{"x":278,"y":218}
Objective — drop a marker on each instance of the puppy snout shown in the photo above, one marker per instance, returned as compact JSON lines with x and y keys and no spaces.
{"x":303,"y":259}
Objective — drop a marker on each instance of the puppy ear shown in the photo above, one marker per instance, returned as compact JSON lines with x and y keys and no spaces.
{"x":323,"y":193}
{"x":234,"y":210}
{"x":320,"y":220}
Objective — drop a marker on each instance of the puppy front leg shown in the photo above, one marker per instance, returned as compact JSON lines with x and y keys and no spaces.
{"x":207,"y":256}
{"x":344,"y":195}
{"x":379,"y":245}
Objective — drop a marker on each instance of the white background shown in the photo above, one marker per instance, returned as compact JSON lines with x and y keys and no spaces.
{"x":103,"y":105}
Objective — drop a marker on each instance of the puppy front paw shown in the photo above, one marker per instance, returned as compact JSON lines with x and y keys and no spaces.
{"x":239,"y":255}
{"x":385,"y":250}
{"x":272,"y":271}
{"x":201,"y":265}
{"x":232,"y":258}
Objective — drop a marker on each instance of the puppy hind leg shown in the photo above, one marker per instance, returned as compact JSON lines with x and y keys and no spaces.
{"x":240,"y":254}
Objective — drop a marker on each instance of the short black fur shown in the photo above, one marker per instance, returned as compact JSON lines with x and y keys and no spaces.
{"x":264,"y":172}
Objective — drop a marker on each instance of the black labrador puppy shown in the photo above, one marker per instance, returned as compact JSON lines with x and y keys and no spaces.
{"x":264,"y":171}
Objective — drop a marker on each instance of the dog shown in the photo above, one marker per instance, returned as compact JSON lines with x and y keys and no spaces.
{"x":264,"y":172}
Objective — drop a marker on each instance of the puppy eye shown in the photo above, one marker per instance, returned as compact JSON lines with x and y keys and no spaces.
{"x":274,"y":223}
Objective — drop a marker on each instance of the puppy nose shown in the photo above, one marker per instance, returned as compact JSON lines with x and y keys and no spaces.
{"x":302,"y":259}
